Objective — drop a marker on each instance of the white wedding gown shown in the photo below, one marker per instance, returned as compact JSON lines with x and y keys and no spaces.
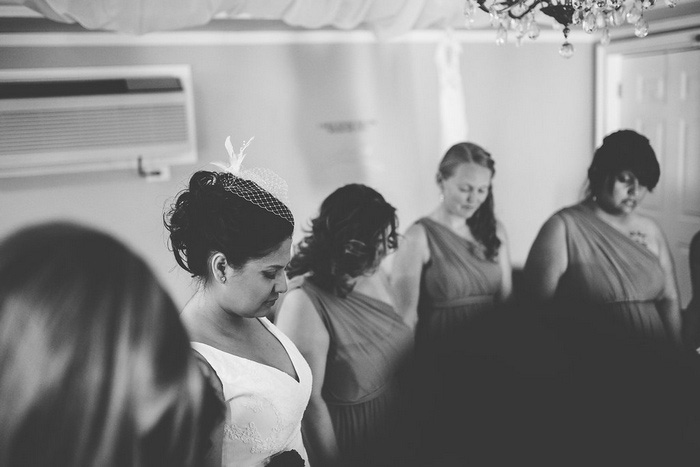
{"x":264,"y":405}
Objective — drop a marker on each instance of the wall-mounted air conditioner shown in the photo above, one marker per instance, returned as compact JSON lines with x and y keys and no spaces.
{"x":81,"y":119}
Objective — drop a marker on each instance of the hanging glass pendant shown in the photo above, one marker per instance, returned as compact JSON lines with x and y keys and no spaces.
{"x":618,"y":17}
{"x":634,"y":14}
{"x":589,"y":23}
{"x":566,"y":50}
{"x":469,"y":10}
{"x":641,"y":28}
{"x":533,"y":31}
{"x":501,"y":35}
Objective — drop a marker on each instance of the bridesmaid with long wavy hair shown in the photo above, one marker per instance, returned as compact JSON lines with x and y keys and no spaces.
{"x":453,"y":265}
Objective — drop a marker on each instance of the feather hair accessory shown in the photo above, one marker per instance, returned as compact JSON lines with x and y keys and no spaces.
{"x":235,"y":160}
{"x":260,"y":186}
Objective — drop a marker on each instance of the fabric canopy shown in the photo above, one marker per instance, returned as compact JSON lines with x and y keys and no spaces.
{"x":385,"y":17}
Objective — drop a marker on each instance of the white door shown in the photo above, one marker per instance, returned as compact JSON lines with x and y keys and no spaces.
{"x":660,"y":98}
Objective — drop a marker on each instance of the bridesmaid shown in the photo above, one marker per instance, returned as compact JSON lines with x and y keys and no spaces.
{"x":449,"y":275}
{"x":453,"y":265}
{"x":340,"y":314}
{"x":601,"y":265}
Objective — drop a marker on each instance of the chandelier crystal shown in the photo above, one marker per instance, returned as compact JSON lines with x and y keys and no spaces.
{"x":518,"y":16}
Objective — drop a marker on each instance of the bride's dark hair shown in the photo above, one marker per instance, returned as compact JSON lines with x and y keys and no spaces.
{"x":206,"y":218}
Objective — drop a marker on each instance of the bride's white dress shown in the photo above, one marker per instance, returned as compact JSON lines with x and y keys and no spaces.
{"x":264,"y":405}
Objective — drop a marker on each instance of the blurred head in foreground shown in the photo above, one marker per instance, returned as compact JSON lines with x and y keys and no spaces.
{"x":95,"y":365}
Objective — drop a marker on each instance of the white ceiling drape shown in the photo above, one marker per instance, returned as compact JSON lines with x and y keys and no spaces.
{"x":385,"y":17}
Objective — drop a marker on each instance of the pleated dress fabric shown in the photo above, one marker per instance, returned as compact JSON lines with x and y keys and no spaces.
{"x":369,"y":348}
{"x":458,"y":285}
{"x":612,"y":282}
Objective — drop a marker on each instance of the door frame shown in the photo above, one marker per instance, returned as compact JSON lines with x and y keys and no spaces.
{"x":684,"y":35}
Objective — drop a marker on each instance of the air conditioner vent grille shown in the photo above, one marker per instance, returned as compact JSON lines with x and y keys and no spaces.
{"x":79,"y":119}
{"x":99,"y":127}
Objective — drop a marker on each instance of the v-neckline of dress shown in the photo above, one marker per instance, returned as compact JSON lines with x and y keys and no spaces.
{"x":296,"y":379}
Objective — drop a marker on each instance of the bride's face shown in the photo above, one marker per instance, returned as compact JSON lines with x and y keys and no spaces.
{"x":253,"y":290}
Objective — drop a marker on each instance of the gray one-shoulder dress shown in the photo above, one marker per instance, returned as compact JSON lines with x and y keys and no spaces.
{"x":458,"y":285}
{"x":611,"y":282}
{"x":369,"y":347}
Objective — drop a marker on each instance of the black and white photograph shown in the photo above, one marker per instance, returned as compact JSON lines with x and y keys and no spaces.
{"x":349,"y":233}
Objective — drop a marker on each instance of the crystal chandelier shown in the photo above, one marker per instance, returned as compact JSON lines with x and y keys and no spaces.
{"x":593,"y":15}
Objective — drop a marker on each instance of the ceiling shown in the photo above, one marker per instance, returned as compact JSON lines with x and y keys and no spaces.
{"x":385,"y":17}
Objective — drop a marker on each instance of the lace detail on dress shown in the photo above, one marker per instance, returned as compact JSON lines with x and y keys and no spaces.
{"x":264,"y":405}
{"x":255,"y":406}
{"x":274,"y":424}
{"x":250,"y":435}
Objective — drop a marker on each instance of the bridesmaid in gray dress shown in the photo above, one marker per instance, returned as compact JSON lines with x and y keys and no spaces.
{"x":451,"y":274}
{"x":340,"y":314}
{"x":601,"y":265}
{"x":453,"y":265}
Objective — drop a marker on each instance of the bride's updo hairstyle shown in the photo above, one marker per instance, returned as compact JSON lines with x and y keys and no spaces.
{"x":212,"y":215}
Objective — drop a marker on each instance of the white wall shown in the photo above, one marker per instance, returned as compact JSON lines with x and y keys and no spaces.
{"x":328,"y":113}
{"x":534,"y":111}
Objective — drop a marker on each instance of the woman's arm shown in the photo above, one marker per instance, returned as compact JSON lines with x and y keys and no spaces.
{"x":668,"y":304}
{"x":214,"y":454}
{"x":407,"y":268}
{"x":506,"y":291}
{"x":547,"y":261}
{"x":298,"y":319}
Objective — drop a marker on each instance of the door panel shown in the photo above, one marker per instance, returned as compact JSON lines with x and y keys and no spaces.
{"x":661,"y":99}
{"x":643,"y":106}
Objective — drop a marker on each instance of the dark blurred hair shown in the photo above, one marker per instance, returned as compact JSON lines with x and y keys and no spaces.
{"x":346,"y":239}
{"x":483,"y":223}
{"x":621,"y":151}
{"x":96,"y":366}
{"x":207,"y":218}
